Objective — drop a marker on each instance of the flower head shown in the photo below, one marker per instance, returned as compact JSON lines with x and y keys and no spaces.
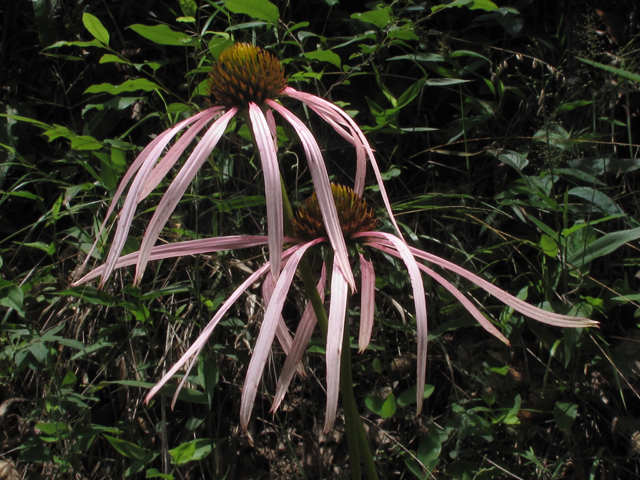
{"x":245,"y":79}
{"x":354,"y":215}
{"x":245,"y":73}
{"x":359,"y":227}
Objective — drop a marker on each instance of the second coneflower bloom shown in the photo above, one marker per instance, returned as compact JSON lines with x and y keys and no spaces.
{"x":358,"y":225}
{"x":247,"y":81}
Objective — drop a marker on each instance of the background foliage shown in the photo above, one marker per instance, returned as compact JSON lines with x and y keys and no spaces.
{"x":509,"y":137}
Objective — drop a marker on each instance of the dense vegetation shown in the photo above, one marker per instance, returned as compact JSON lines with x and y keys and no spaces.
{"x":508,"y":139}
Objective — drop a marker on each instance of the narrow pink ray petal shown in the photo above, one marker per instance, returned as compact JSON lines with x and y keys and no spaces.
{"x":180,"y":249}
{"x":300,"y":342}
{"x":144,"y":162}
{"x":327,"y":110}
{"x":550,"y":318}
{"x":420,"y":304}
{"x":177,"y":188}
{"x":272,"y":128}
{"x":267,"y":332}
{"x":195,"y":349}
{"x":162,"y":168}
{"x":197,"y":346}
{"x":335,"y":335}
{"x":466,"y":303}
{"x":323,"y":190}
{"x":282,"y":333}
{"x":367,"y":302}
{"x":272,"y":185}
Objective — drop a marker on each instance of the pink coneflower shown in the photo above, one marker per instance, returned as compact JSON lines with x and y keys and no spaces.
{"x":246,"y":81}
{"x":358,"y":225}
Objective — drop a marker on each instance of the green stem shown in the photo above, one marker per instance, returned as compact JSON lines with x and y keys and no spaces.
{"x":357,"y":443}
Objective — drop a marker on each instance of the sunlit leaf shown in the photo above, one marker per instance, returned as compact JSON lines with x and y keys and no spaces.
{"x":95,"y":28}
{"x":260,"y":9}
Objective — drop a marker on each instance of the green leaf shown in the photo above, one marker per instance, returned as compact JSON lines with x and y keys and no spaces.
{"x":324,"y":56}
{"x":380,"y":18}
{"x":603,"y":246}
{"x":163,"y":35}
{"x":549,"y":246}
{"x":95,"y":28}
{"x":408,"y":397}
{"x":259,"y":9}
{"x":128,"y":449}
{"x":618,"y":71}
{"x":188,"y":7}
{"x":565,"y":414}
{"x":192,"y":451}
{"x":11,"y":296}
{"x":429,"y":450}
{"x":155,"y":473}
{"x":389,"y":407}
{"x":446,"y":81}
{"x":470,"y":4}
{"x":128,"y":86}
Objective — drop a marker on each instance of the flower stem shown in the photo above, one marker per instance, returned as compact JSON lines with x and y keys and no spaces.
{"x":357,"y":442}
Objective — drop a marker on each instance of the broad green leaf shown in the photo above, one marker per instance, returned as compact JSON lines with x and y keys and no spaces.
{"x":95,"y":28}
{"x":11,"y":296}
{"x":155,"y":473}
{"x":549,"y":246}
{"x":128,"y":449}
{"x":470,"y":4}
{"x":128,"y":86}
{"x":192,"y":451}
{"x":603,"y":246}
{"x":408,"y":397}
{"x":324,"y":56}
{"x":565,"y":414}
{"x":389,"y":407}
{"x":380,"y":18}
{"x":163,"y":35}
{"x":429,"y":450}
{"x":259,"y":9}
{"x":597,"y":199}
{"x":374,"y":403}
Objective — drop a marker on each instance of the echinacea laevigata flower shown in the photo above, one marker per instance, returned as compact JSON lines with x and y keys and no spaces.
{"x":246,"y":81}
{"x":358,"y":225}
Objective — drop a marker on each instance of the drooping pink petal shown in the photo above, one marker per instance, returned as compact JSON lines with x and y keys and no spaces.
{"x":272,"y":128}
{"x":328,"y":110}
{"x":282,"y":333}
{"x":367,"y":302}
{"x":163,"y":166}
{"x":419,"y":301}
{"x":181,"y":249}
{"x":300,"y":341}
{"x":198,"y":345}
{"x":335,"y":335}
{"x":272,"y":186}
{"x":466,"y":303}
{"x":177,"y":188}
{"x":195,"y":349}
{"x":323,"y":190}
{"x":268,"y":330}
{"x":550,"y":318}
{"x":145,"y":163}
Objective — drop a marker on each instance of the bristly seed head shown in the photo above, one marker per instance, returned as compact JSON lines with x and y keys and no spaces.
{"x":245,"y":73}
{"x":354,"y":215}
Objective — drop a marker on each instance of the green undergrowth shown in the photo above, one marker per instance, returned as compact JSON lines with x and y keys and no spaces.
{"x":507,"y":134}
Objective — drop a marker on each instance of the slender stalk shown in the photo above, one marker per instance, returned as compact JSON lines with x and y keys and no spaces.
{"x":357,"y":443}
